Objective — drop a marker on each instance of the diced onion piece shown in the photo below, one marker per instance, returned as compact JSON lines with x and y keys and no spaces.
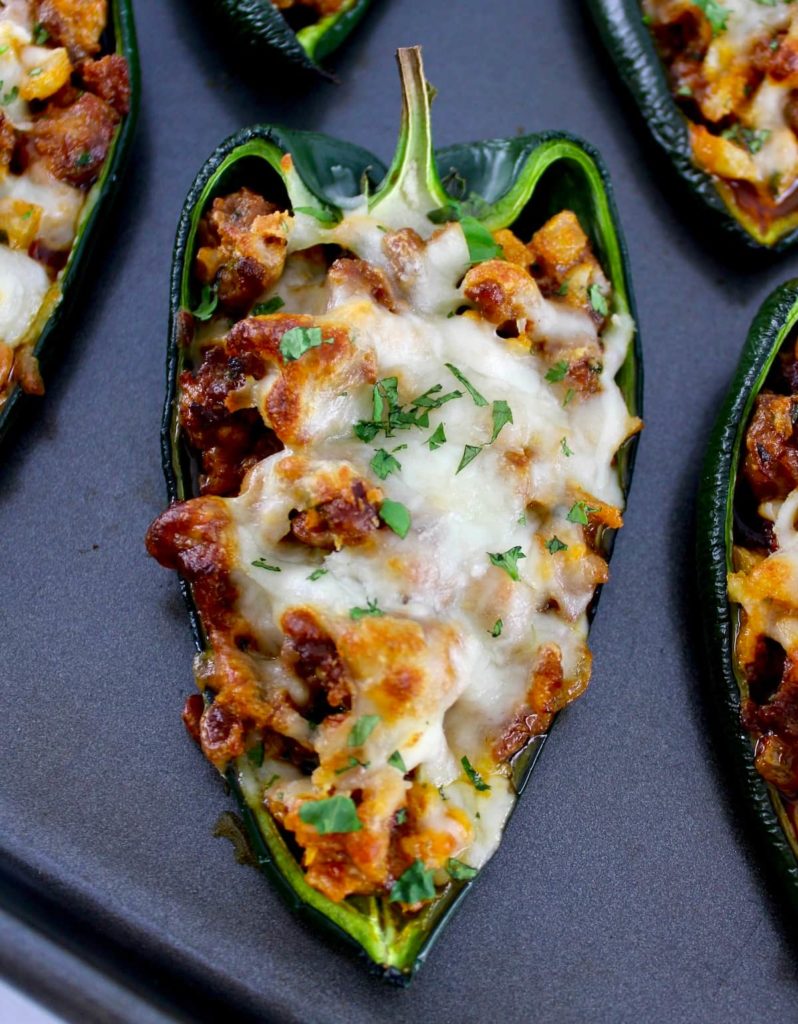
{"x":23,"y":286}
{"x":20,"y":222}
{"x":46,"y":77}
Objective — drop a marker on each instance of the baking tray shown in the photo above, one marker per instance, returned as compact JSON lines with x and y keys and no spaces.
{"x":625,"y":887}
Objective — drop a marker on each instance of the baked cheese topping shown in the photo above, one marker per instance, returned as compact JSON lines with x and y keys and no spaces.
{"x":412,"y":569}
{"x":733,"y":66}
{"x":58,"y":113}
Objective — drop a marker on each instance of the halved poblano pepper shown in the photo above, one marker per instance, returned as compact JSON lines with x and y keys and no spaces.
{"x":301,"y":33}
{"x":727,"y":131}
{"x":517,"y":182}
{"x":746,"y":592}
{"x":45,"y":333}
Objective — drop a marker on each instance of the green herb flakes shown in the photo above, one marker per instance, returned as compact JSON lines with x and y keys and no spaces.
{"x":479,"y":399}
{"x":336,"y":814}
{"x":555,"y":545}
{"x":459,"y":871}
{"x":474,"y":777}
{"x":508,"y":560}
{"x":557,"y":372}
{"x":397,"y":761}
{"x":413,"y":886}
{"x":397,"y":516}
{"x":437,"y":438}
{"x":298,"y":340}
{"x":470,"y":452}
{"x":502,"y":415}
{"x":272,"y":305}
{"x":383,"y":464}
{"x":209,"y":300}
{"x":361,"y":613}
{"x":261,"y":563}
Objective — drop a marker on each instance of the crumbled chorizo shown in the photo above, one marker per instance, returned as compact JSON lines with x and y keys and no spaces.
{"x":350,"y":278}
{"x":243,"y":248}
{"x":771,"y":446}
{"x":312,"y":654}
{"x":109,"y":79}
{"x":75,"y":24}
{"x":74,"y":141}
{"x":343,"y":521}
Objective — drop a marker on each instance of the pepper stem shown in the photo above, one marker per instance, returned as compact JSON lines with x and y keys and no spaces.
{"x":412,"y":185}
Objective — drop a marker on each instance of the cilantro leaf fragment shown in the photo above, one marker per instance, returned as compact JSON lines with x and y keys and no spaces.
{"x":508,"y":560}
{"x":555,"y":545}
{"x":567,"y":452}
{"x":474,"y":777}
{"x":480,"y":242}
{"x":396,"y":516}
{"x":209,"y":300}
{"x":502,"y":415}
{"x":317,"y":574}
{"x":255,"y":755}
{"x":40,"y":34}
{"x":470,"y":452}
{"x":436,"y":439}
{"x":336,"y":814}
{"x":479,"y":399}
{"x":597,"y":300}
{"x":413,"y":886}
{"x":268,"y":307}
{"x":558,"y":371}
{"x":298,"y":340}
{"x":261,"y":563}
{"x":383,"y":464}
{"x":362,"y":729}
{"x":401,"y":816}
{"x":397,"y":761}
{"x":459,"y":871}
{"x":498,"y":626}
{"x":361,"y":613}
{"x":717,"y":14}
{"x":579,"y":512}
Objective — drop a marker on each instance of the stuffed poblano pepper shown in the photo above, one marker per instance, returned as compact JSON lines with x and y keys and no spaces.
{"x":398,"y":438}
{"x":748,"y":575}
{"x":303,"y":32}
{"x":716,"y":81}
{"x":69,"y":82}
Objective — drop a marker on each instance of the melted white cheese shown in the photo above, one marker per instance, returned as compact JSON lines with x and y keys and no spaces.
{"x":440,"y":574}
{"x":23,"y":286}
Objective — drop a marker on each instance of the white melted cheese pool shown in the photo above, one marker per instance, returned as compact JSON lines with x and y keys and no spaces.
{"x":440,"y":572}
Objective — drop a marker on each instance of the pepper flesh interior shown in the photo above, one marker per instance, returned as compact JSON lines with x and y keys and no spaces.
{"x":732,"y":70}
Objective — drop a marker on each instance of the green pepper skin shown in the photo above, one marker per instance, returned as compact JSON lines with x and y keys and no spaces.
{"x":628,"y":40}
{"x":264,"y":30}
{"x":776,"y":318}
{"x":511,"y":175}
{"x":95,"y":212}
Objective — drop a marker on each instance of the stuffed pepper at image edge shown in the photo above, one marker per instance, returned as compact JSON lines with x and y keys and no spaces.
{"x":302,"y":32}
{"x":747,"y":571}
{"x":398,"y":441}
{"x":717,"y":82}
{"x":69,"y":89}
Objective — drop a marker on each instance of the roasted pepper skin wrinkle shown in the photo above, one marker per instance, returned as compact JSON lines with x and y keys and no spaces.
{"x":514,"y":178}
{"x":629,"y":43}
{"x":773,"y":323}
{"x":99,"y":201}
{"x":264,"y":31}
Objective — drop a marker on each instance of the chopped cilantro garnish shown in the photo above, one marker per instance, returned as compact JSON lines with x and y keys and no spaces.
{"x":555,"y":545}
{"x":717,"y":15}
{"x":597,"y":300}
{"x":401,"y":816}
{"x":261,"y":563}
{"x":413,"y":886}
{"x":361,"y":613}
{"x":563,"y":289}
{"x":481,"y":244}
{"x":388,"y":414}
{"x":498,"y":626}
{"x":397,"y":761}
{"x":317,"y":574}
{"x":11,"y":95}
{"x":362,"y":729}
{"x":298,"y":340}
{"x":255,"y":754}
{"x":474,"y":777}
{"x":749,"y":138}
{"x":437,"y":438}
{"x":569,"y":394}
{"x":352,"y":763}
{"x":470,"y":452}
{"x":565,"y":449}
{"x":326,"y":217}
{"x":268,"y":307}
{"x":40,"y":34}
{"x":477,"y":397}
{"x":459,"y":871}
{"x":271,"y":781}
{"x":508,"y":560}
{"x":502,"y":415}
{"x":579,"y":511}
{"x":395,"y":515}
{"x":383,"y":464}
{"x":209,"y":300}
{"x":432,"y":400}
{"x":557,"y":372}
{"x":336,"y":814}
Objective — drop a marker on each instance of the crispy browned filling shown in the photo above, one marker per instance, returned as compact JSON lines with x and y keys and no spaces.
{"x":242,"y":255}
{"x":769,"y":473}
{"x":76,"y":107}
{"x":720,"y":141}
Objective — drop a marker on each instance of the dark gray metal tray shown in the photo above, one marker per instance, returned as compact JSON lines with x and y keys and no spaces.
{"x":625,"y":889}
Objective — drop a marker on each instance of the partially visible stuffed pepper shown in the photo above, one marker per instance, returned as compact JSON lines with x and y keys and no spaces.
{"x":302,"y":32}
{"x":398,"y":438}
{"x":748,"y":576}
{"x":717,"y":81}
{"x":68,"y":99}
